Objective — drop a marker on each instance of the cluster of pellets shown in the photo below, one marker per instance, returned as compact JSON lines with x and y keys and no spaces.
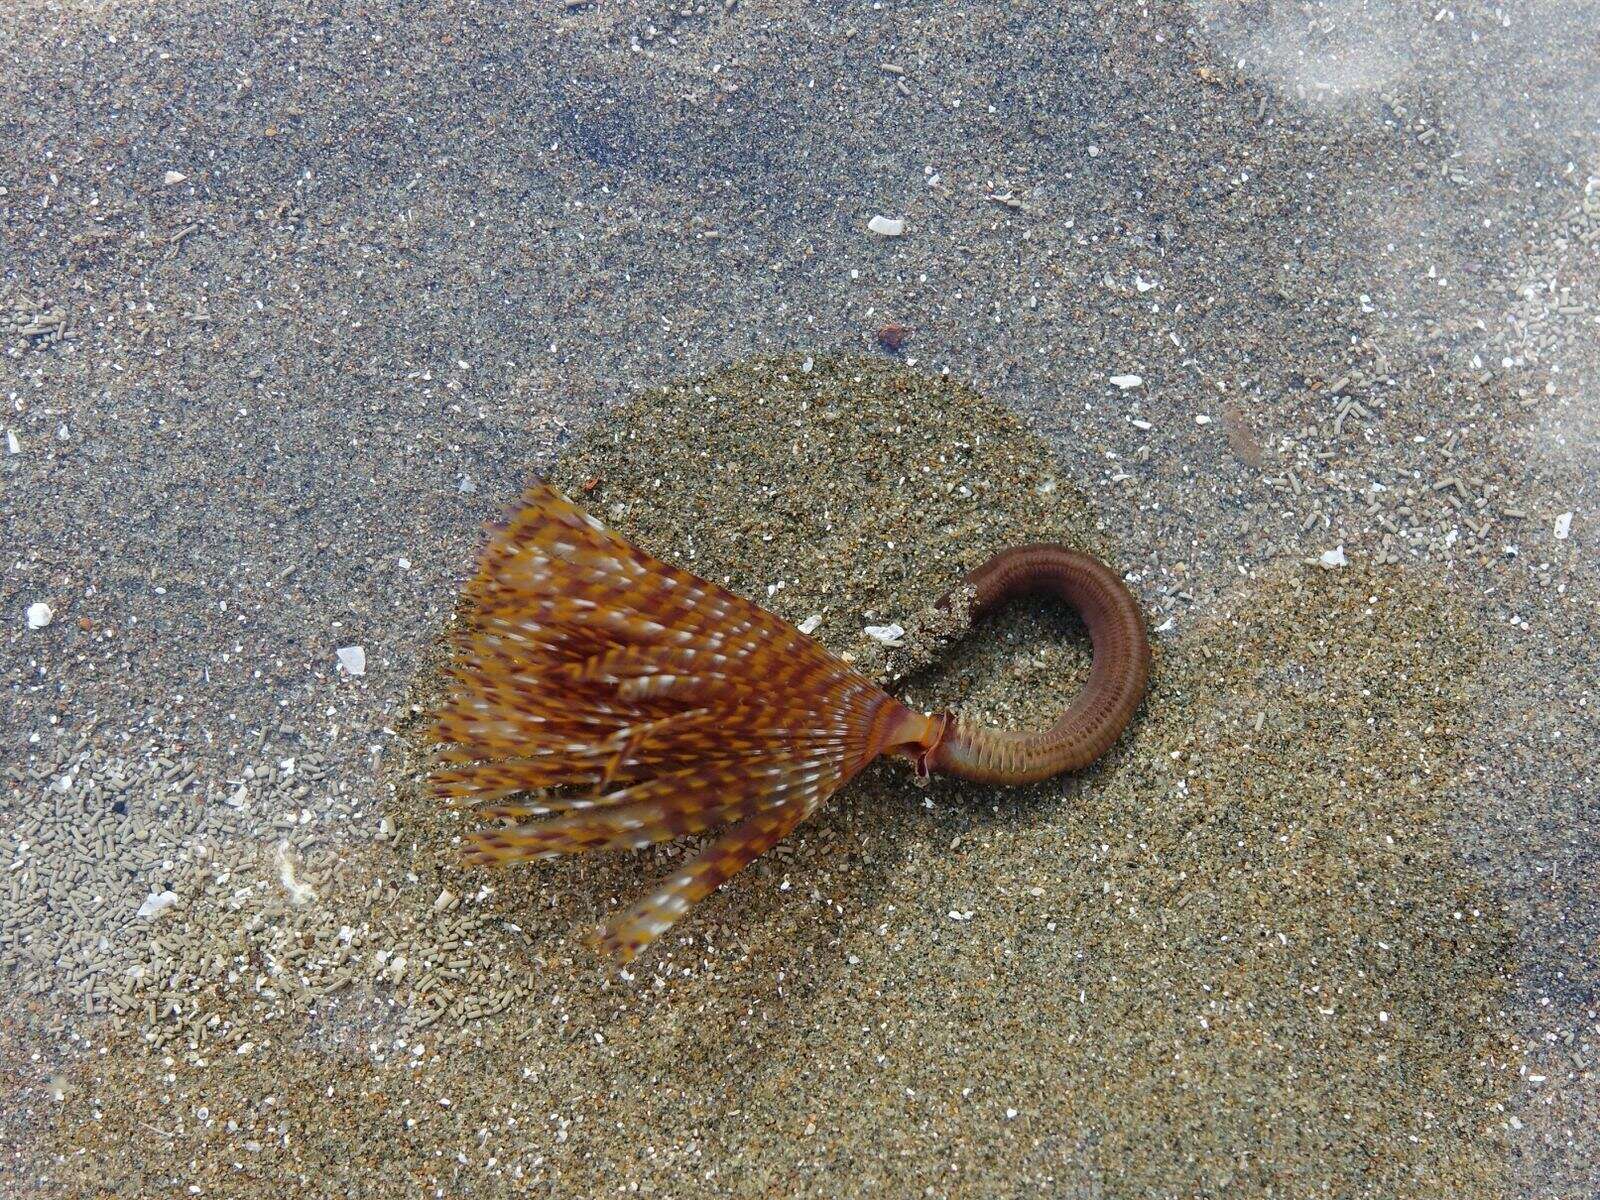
{"x":192,"y":913}
{"x":1556,"y":309}
{"x":92,"y":839}
{"x":38,"y":324}
{"x":455,"y":972}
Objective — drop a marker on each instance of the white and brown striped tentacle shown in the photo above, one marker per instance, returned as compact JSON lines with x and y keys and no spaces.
{"x":584,"y":661}
{"x":660,"y":809}
{"x":625,"y":936}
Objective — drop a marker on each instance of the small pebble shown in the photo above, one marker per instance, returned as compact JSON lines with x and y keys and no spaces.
{"x":892,"y":337}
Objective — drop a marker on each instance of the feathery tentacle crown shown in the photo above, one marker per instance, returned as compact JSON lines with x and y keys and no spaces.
{"x":672,"y":705}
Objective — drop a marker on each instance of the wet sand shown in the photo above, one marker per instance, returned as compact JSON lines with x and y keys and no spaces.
{"x":1323,"y":921}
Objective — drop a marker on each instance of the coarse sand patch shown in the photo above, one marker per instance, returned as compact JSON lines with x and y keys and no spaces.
{"x":1238,"y":955}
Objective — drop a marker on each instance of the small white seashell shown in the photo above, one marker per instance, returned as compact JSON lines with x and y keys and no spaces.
{"x":173,"y":177}
{"x":889,"y":635}
{"x":40,"y":615}
{"x":1334,"y":558}
{"x":1563,"y":528}
{"x":1127,"y":381}
{"x":886,"y":226}
{"x":155,"y":904}
{"x":809,"y":625}
{"x":353,"y":659}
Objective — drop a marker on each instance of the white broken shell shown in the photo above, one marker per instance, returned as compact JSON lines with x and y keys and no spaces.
{"x":155,"y":904}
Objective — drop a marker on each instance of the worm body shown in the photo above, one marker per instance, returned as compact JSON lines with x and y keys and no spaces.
{"x":1117,"y":679}
{"x":603,"y":699}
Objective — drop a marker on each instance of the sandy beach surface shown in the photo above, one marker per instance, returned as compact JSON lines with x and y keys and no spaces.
{"x":1291,"y":313}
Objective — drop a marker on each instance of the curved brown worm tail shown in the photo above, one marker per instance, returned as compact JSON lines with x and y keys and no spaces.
{"x":1117,"y":678}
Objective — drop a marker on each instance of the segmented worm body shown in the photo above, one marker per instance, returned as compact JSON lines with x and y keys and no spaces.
{"x":1117,"y":676}
{"x":674,"y":706}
